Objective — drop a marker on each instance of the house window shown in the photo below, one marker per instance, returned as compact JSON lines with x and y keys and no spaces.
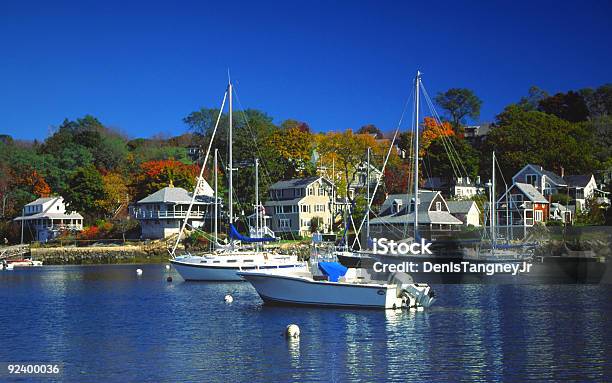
{"x":438,"y":206}
{"x":278,"y":209}
{"x":531,"y":179}
{"x":321,"y":190}
{"x":284,"y":223}
{"x":309,"y":191}
{"x":538,"y":215}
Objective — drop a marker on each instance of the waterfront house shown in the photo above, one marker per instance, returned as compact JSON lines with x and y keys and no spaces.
{"x":544,"y":181}
{"x":293,"y":204}
{"x":466,"y":211}
{"x":397,"y":211}
{"x":522,"y":205}
{"x":45,"y":218}
{"x":581,"y":188}
{"x":162,"y":213}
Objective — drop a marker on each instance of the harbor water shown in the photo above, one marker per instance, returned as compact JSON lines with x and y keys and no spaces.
{"x":106,"y":323}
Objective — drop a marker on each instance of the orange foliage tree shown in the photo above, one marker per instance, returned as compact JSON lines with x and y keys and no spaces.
{"x":38,"y":184}
{"x":432,"y":130}
{"x":155,"y":175}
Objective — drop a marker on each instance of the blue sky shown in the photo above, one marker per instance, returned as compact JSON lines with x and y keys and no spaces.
{"x":142,"y":67}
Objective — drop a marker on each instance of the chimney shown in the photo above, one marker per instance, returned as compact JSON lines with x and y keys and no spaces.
{"x":562,"y":172}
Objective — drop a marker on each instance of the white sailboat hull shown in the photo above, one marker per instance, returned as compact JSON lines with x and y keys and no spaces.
{"x":284,"y":288}
{"x":190,"y":272}
{"x":225,"y":267}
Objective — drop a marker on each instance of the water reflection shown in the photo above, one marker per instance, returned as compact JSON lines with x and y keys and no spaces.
{"x":104,"y":323}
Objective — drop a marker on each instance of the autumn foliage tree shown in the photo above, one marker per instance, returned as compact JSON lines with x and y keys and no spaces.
{"x":39,"y":186}
{"x":433,"y":130}
{"x":155,"y":175}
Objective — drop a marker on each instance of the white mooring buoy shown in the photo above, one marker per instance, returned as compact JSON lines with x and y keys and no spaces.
{"x":292,"y":331}
{"x":138,"y":271}
{"x":228,"y":299}
{"x":167,"y":267}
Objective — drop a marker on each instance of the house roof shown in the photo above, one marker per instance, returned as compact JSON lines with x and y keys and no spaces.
{"x":41,"y":201}
{"x":50,"y":216}
{"x":293,"y":183}
{"x":172,"y":195}
{"x":530,"y":192}
{"x":556,"y":179}
{"x":579,"y":180}
{"x":425,"y":196}
{"x":460,"y":207}
{"x":430,"y":217}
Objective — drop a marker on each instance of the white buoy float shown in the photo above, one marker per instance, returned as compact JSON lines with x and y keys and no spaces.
{"x":292,"y":331}
{"x":138,"y":271}
{"x":167,"y":267}
{"x":228,"y":298}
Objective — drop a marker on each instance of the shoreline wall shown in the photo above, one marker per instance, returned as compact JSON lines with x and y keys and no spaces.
{"x":97,"y":255}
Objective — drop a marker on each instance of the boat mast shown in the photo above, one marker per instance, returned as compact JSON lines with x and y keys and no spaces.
{"x":231,"y":164}
{"x":257,"y":200}
{"x":492,"y":209}
{"x":216,"y":200}
{"x":417,"y":80}
{"x":367,"y":241}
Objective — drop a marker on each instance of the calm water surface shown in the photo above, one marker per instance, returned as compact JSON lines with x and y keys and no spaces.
{"x":103,"y":323}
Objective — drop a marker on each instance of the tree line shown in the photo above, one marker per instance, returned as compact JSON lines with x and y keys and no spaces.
{"x":99,"y":170}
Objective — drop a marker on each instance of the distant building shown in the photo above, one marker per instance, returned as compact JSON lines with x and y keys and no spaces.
{"x":397,"y":212}
{"x":293,"y":204}
{"x":475,"y":134}
{"x":560,"y":213}
{"x":360,"y":180}
{"x":522,"y":205}
{"x":162,"y":213}
{"x":579,"y":188}
{"x":466,"y":211}
{"x":457,"y":188}
{"x":47,"y":217}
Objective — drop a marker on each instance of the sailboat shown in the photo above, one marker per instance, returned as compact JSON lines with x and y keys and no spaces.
{"x":223,"y":262}
{"x":328,"y":283}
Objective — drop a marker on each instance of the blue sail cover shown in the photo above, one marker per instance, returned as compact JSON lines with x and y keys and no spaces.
{"x":333,"y":270}
{"x":236,"y":235}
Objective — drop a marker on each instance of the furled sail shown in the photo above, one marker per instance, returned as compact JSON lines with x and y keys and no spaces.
{"x":236,"y":235}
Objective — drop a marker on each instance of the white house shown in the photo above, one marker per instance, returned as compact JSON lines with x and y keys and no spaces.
{"x":466,"y":211}
{"x":162,"y":213}
{"x":457,"y":187}
{"x":46,"y":217}
{"x":581,"y":188}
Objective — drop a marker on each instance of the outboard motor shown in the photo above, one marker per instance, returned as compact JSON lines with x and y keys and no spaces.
{"x":413,"y":294}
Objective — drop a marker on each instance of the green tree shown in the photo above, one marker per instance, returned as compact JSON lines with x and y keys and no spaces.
{"x":85,"y":188}
{"x":370,"y":129}
{"x":459,"y":103}
{"x":533,"y":98}
{"x":598,"y":101}
{"x":520,"y":137}
{"x":569,"y":106}
{"x":465,"y":159}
